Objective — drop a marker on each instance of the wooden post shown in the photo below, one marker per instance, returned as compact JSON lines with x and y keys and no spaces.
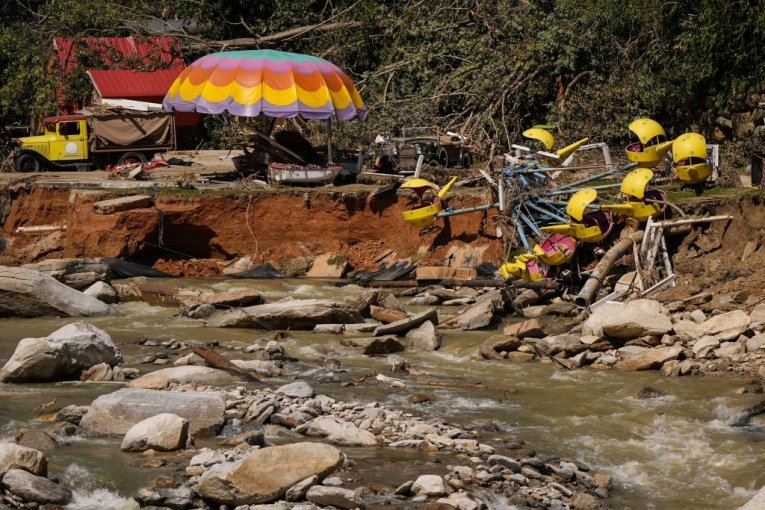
{"x":329,"y":140}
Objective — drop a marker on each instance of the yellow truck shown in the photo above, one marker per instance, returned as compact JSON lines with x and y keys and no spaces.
{"x":94,"y":140}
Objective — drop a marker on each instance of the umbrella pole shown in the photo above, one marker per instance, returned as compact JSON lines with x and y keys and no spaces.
{"x":329,"y":140}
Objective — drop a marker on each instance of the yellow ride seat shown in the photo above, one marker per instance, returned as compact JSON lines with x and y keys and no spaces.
{"x":652,"y":145}
{"x":689,"y":155}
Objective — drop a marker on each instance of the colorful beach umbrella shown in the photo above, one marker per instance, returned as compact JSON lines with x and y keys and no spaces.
{"x":266,"y":82}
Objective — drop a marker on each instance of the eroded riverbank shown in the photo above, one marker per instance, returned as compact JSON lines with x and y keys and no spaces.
{"x":595,"y":417}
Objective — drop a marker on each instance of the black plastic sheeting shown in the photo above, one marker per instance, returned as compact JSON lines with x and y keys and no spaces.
{"x":264,"y":272}
{"x":386,"y":274}
{"x":487,"y":270}
{"x":124,"y":269}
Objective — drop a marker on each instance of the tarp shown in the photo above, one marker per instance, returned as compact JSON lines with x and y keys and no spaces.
{"x":121,"y":130}
{"x":386,"y":274}
{"x":124,"y":269}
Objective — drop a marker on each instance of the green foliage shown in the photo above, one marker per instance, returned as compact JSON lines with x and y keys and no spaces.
{"x":486,"y":68}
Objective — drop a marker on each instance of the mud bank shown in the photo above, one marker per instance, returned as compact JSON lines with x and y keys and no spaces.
{"x":272,"y":226}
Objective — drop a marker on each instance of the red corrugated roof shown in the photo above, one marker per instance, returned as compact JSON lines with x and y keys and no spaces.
{"x":157,"y":50}
{"x":140,"y":86}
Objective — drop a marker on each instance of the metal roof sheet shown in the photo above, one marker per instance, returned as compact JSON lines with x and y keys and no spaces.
{"x":156,"y":50}
{"x":145,"y":86}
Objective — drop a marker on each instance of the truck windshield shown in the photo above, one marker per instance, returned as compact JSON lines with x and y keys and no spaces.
{"x":49,"y":127}
{"x":69,"y":128}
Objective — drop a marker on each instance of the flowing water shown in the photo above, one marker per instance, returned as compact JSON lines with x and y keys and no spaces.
{"x":673,"y":452}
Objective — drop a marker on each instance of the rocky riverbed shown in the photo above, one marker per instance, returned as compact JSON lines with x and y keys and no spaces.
{"x":396,"y":388}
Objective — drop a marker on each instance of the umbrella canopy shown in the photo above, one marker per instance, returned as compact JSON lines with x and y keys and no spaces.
{"x":266,"y":82}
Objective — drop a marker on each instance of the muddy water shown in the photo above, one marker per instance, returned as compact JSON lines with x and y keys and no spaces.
{"x":673,"y":452}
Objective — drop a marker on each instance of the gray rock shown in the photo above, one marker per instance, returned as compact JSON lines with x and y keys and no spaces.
{"x":705,"y":345}
{"x":341,"y":433}
{"x":756,"y":343}
{"x":641,"y":317}
{"x":297,"y":389}
{"x":756,"y":502}
{"x":650,"y":358}
{"x":334,"y":496}
{"x":265,"y":368}
{"x":72,"y":414}
{"x":687,"y":330}
{"x":63,"y":354}
{"x":75,"y":273}
{"x":299,"y":490}
{"x":506,"y":462}
{"x":425,"y":300}
{"x":730,"y":350}
{"x":333,"y":481}
{"x":726,"y":326}
{"x":429,"y":485}
{"x":35,"y":488}
{"x":103,"y":292}
{"x":14,"y":456}
{"x":698,"y":316}
{"x":480,"y":314}
{"x":175,"y":499}
{"x":405,"y":325}
{"x":37,"y":439}
{"x":28,"y":293}
{"x":291,"y":314}
{"x":207,"y":457}
{"x":164,"y":432}
{"x":555,"y":344}
{"x":266,"y":474}
{"x":115,"y":413}
{"x":184,"y":374}
{"x":424,"y":338}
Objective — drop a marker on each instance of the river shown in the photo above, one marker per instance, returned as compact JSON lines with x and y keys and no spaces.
{"x":673,"y":452}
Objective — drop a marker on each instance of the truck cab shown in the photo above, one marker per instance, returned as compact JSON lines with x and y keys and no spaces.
{"x":64,"y":141}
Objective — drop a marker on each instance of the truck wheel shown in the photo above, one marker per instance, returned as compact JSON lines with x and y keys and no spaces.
{"x":26,"y":163}
{"x":443,"y":157}
{"x":132,"y":157}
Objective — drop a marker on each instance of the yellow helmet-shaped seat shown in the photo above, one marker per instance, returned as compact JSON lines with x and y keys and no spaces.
{"x":423,"y":217}
{"x":652,"y":145}
{"x":640,"y":204}
{"x":541,"y":135}
{"x":584,"y":225}
{"x":689,"y":153}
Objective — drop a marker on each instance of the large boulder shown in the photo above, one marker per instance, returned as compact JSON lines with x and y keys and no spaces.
{"x":164,"y":432}
{"x":404,"y":325}
{"x":726,"y":326}
{"x":480,"y":314}
{"x":266,"y":474}
{"x":37,"y":489}
{"x":103,"y":292}
{"x":626,"y":321}
{"x":161,"y":379}
{"x":14,"y":456}
{"x":28,"y":293}
{"x":424,"y":338}
{"x":291,"y":314}
{"x":341,"y":433}
{"x":76,"y":273}
{"x":649,"y":358}
{"x":63,"y":354}
{"x":115,"y":413}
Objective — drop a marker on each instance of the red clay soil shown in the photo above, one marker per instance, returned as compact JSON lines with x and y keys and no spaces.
{"x":198,"y":234}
